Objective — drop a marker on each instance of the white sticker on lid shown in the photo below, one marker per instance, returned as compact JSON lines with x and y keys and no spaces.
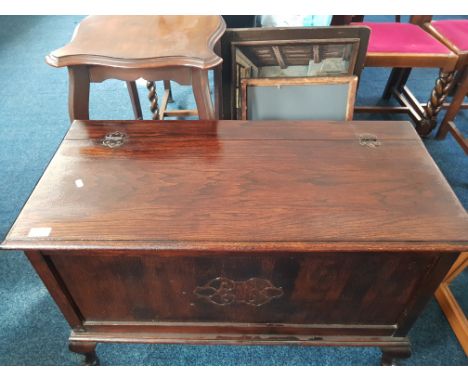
{"x":79,"y":183}
{"x":40,"y":232}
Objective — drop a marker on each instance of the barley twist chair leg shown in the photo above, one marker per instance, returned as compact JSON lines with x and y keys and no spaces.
{"x":434,"y":105}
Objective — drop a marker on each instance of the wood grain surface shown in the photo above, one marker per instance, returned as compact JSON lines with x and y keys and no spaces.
{"x":316,"y":288}
{"x":143,"y":42}
{"x":241,"y":184}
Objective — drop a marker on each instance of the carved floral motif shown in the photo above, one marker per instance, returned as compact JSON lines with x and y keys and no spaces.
{"x":223,"y":291}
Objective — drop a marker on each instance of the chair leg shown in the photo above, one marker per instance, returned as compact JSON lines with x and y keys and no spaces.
{"x":434,"y":105}
{"x":134,"y":99}
{"x":397,"y":79}
{"x":454,"y":107}
{"x":153,"y":98}
{"x":457,"y":80}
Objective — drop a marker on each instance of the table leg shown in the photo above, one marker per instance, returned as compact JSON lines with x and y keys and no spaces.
{"x":167,"y":86}
{"x":88,"y":349}
{"x":134,"y":99}
{"x":217,"y":84}
{"x":78,"y":92}
{"x":201,"y":91}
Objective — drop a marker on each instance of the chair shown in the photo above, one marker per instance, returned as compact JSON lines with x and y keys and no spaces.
{"x":285,"y":54}
{"x":403,"y":46}
{"x":324,"y":98}
{"x":454,"y":35}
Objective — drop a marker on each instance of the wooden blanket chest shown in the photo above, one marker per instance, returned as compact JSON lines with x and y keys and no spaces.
{"x":241,"y":232}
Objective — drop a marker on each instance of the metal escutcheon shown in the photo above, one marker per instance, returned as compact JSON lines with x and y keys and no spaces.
{"x":115,"y":139}
{"x":369,"y":140}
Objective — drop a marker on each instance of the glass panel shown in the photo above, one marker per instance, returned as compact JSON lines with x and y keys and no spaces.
{"x":311,"y":101}
{"x":291,"y":59}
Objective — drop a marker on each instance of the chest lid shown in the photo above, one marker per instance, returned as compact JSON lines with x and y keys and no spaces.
{"x":236,"y":185}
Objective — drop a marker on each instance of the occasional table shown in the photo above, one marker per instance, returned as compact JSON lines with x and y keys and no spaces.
{"x":242,"y":232}
{"x":178,"y":48}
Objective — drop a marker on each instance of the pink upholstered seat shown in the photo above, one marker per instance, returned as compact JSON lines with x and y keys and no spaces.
{"x":456,"y":31}
{"x":401,"y":38}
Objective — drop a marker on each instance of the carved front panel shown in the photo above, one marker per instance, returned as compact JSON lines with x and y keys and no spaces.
{"x":309,"y":288}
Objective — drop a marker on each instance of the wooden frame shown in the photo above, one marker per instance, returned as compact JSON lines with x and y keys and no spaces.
{"x":351,"y":80}
{"x":449,"y":305}
{"x":357,"y":37}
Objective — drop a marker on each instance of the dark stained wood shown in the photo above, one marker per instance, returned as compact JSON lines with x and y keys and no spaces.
{"x":78,"y":92}
{"x":88,"y":349}
{"x":357,"y":291}
{"x":56,"y":288}
{"x":391,"y":353}
{"x":233,"y":339}
{"x":425,"y":290}
{"x":240,"y":232}
{"x":239,"y":328}
{"x":135,"y":99}
{"x":230,"y":182}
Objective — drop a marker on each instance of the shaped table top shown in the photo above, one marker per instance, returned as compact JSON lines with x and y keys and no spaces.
{"x":143,"y":42}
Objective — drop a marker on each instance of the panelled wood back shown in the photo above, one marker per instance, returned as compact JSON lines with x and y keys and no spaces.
{"x":286,"y":46}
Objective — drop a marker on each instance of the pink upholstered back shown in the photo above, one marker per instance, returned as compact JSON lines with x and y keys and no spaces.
{"x":401,"y":38}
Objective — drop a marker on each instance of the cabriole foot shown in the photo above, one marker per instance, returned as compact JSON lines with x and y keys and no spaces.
{"x":391,"y":354}
{"x":88,"y":349}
